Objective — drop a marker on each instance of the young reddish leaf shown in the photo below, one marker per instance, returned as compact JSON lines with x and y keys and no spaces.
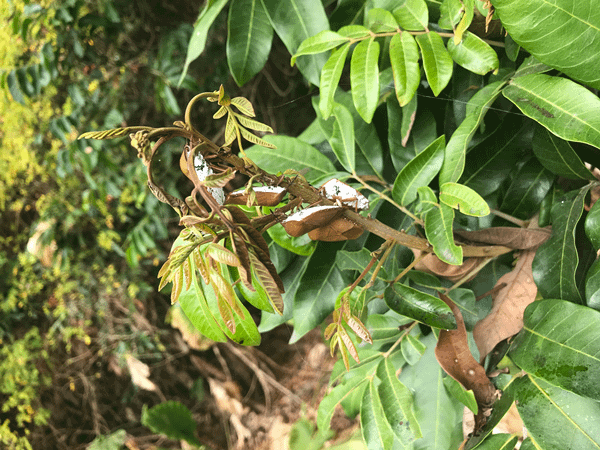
{"x":358,"y":327}
{"x":266,"y":280}
{"x":345,"y":338}
{"x":253,"y":124}
{"x":506,"y":317}
{"x":225,"y":292}
{"x":222,"y":255}
{"x":254,"y":139}
{"x":453,"y":354}
{"x":177,"y":286}
{"x":219,"y":180}
{"x":226,"y":314}
{"x":329,"y":331}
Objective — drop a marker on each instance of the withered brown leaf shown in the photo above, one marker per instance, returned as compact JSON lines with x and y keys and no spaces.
{"x":506,"y":317}
{"x":512,"y":237}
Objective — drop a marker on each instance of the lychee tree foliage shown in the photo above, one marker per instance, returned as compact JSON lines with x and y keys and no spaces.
{"x":470,"y":282}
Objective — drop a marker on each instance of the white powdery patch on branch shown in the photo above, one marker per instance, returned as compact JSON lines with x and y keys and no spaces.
{"x":203,"y":170}
{"x":334,"y":190}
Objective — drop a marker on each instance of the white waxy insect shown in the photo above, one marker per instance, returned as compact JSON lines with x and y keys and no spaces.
{"x":308,"y":219}
{"x":334,"y":190}
{"x":203,"y":170}
{"x":265,"y":196}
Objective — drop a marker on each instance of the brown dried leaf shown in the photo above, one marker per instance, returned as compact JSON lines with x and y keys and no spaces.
{"x":340,"y":229}
{"x":512,"y":237}
{"x":139,"y":374}
{"x":506,"y":317}
{"x":432,"y":264}
{"x":453,"y":354}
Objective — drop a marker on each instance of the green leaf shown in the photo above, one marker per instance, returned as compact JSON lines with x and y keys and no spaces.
{"x":531,"y":66}
{"x":567,"y":109}
{"x":295,"y":21}
{"x":467,"y":398}
{"x":115,"y":440}
{"x":477,"y":108}
{"x":501,"y":441}
{"x":354,"y":31}
{"x":558,"y":156}
{"x":451,"y":12}
{"x":420,"y":171}
{"x":592,"y":286}
{"x":556,"y":260}
{"x":528,"y":188}
{"x":560,"y":343}
{"x":321,"y":42}
{"x":381,"y":21}
{"x":562,"y":39}
{"x":412,"y":349}
{"x":438,"y":414}
{"x":385,"y":327}
{"x":438,"y":229}
{"x":201,"y":28}
{"x":291,"y":153}
{"x":364,"y":78}
{"x":420,"y":306}
{"x":13,"y":87}
{"x":249,"y":37}
{"x":194,"y":305}
{"x":473,"y":54}
{"x":557,"y":419}
{"x":349,"y":383}
{"x":172,"y":419}
{"x":302,"y":245}
{"x":376,"y":431}
{"x":330,"y":78}
{"x":412,"y":15}
{"x":342,"y":138}
{"x":463,"y":198}
{"x":404,"y":57}
{"x":436,"y":61}
{"x":592,"y":225}
{"x":397,"y":404}
{"x":492,"y":160}
{"x":318,"y":290}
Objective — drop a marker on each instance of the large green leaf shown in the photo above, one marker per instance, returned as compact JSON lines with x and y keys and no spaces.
{"x":437,"y":62}
{"x":491,"y":161}
{"x":376,"y":430}
{"x":330,"y":78}
{"x":420,"y":306}
{"x":291,"y":153}
{"x":318,"y":290}
{"x":560,"y":33}
{"x":419,"y":172}
{"x":528,"y":188}
{"x":249,"y":37}
{"x":592,"y":225}
{"x":404,"y":57}
{"x":364,"y":78}
{"x":412,"y":15}
{"x":477,"y":107}
{"x":560,"y":343}
{"x":342,"y":138}
{"x":381,"y":21}
{"x":557,"y":419}
{"x":556,"y":260}
{"x":349,"y":382}
{"x":201,"y":27}
{"x":463,"y":198}
{"x":438,"y":229}
{"x":567,"y":109}
{"x":172,"y":419}
{"x":473,"y":54}
{"x":319,"y":43}
{"x":439,"y":416}
{"x":397,"y":404}
{"x":295,"y":21}
{"x":592,"y":280}
{"x":558,"y":156}
{"x":194,"y":305}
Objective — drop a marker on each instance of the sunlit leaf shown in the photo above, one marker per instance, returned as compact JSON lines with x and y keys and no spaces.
{"x":404,"y":57}
{"x":364,"y":78}
{"x":436,"y":61}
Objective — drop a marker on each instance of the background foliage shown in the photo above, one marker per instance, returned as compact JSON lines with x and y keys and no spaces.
{"x":437,"y":116}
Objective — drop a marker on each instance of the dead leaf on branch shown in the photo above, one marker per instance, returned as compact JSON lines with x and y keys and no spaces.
{"x":454,"y":356}
{"x":432,"y":264}
{"x":512,"y":237}
{"x":506,"y":317}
